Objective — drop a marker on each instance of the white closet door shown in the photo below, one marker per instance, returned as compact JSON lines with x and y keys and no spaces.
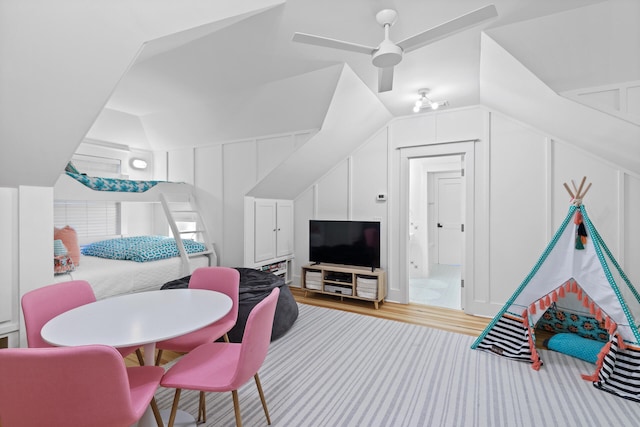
{"x":265,"y":230}
{"x":284,"y":237}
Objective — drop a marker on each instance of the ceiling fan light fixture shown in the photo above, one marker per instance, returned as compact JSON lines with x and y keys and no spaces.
{"x":425,"y":102}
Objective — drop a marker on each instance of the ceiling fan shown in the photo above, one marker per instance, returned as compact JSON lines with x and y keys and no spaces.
{"x":388,"y":54}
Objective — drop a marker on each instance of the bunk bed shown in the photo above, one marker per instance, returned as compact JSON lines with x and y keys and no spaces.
{"x":127,"y":274}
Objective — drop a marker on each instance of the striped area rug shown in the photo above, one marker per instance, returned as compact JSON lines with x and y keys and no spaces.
{"x":335,"y":368}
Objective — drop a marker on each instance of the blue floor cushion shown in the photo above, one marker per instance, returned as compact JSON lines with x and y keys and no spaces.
{"x":576,"y":346}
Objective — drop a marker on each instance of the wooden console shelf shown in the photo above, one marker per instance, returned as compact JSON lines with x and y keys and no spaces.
{"x":345,"y":281}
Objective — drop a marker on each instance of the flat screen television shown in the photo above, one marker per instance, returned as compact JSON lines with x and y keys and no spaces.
{"x":345,"y":242}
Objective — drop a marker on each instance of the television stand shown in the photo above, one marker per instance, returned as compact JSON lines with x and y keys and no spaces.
{"x":363,"y":283}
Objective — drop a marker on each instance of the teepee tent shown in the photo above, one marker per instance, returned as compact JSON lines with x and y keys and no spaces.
{"x":576,"y":274}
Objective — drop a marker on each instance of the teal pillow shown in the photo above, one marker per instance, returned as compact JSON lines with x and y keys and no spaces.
{"x":576,"y":346}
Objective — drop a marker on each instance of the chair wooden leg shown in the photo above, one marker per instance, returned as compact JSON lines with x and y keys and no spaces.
{"x":156,"y":412}
{"x":174,"y":407}
{"x":264,"y":402}
{"x":140,"y":358}
{"x":158,"y":357}
{"x":225,"y":337}
{"x":202,"y":409}
{"x":236,"y":408}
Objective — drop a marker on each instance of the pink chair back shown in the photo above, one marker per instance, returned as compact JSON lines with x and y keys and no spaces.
{"x":221,"y":279}
{"x":256,"y":338}
{"x":71,"y":386}
{"x":43,"y":304}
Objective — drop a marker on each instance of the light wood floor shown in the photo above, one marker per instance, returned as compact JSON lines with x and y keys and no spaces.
{"x":434,"y":317}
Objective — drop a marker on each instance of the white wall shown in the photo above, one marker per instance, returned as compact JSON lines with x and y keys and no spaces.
{"x":35,"y":250}
{"x":519,"y":197}
{"x":223,"y":174}
{"x":518,"y":203}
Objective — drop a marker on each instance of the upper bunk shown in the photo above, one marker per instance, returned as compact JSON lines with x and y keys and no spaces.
{"x":71,"y":186}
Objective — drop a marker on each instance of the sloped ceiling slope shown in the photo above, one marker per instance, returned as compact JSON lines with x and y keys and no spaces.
{"x":585,"y":47}
{"x":62,"y":61}
{"x":354,"y":115}
{"x":296,"y":103}
{"x":508,"y":86}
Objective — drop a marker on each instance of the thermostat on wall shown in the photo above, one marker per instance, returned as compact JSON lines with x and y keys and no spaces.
{"x":381,"y":197}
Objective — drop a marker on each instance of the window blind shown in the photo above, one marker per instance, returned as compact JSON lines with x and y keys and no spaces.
{"x":88,"y":218}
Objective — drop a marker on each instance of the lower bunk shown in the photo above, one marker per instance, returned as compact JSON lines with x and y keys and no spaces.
{"x":110,"y":277}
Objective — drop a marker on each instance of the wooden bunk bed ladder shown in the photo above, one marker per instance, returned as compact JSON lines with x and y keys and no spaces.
{"x":177,"y":207}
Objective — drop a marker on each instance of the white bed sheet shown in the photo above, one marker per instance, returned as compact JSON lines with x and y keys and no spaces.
{"x":113,"y":277}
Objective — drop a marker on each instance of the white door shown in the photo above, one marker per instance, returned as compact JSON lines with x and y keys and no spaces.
{"x":284,"y":235}
{"x":449,"y":220}
{"x":265,"y":230}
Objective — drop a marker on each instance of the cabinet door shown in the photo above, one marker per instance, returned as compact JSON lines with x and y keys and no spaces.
{"x":284,"y":238}
{"x":265,"y":230}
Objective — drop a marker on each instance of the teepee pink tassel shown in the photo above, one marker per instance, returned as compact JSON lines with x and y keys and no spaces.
{"x":599,"y":363}
{"x":599,"y":315}
{"x":561,"y":293}
{"x":532,"y":308}
{"x":621,"y":343}
{"x":554,"y":296}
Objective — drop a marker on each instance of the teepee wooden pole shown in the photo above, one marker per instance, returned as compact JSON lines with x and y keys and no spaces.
{"x":579,"y":195}
{"x":569,"y":190}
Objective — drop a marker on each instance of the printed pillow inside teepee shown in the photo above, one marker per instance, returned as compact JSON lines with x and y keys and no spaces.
{"x":558,"y":320}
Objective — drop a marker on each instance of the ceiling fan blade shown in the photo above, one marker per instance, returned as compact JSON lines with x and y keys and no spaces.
{"x":385,"y":79}
{"x":332,"y":43}
{"x":448,"y":28}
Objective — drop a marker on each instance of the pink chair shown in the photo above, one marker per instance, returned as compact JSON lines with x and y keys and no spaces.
{"x":43,"y":304}
{"x":220,"y":367}
{"x":221,"y":279}
{"x":74,"y":386}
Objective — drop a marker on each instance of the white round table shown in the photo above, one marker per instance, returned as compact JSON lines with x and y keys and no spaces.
{"x":139,"y":319}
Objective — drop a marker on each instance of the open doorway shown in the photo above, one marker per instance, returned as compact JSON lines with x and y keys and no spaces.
{"x":436,"y":218}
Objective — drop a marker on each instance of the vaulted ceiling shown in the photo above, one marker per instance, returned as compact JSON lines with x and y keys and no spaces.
{"x":161,"y":75}
{"x":248,"y":78}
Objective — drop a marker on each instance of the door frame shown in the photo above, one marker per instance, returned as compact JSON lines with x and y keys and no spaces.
{"x":467,"y":150}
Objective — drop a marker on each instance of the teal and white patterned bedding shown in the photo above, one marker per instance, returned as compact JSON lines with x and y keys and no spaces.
{"x":113,"y":184}
{"x":140,"y":248}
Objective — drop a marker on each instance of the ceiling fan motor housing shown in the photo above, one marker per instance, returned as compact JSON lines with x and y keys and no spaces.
{"x":387,"y":55}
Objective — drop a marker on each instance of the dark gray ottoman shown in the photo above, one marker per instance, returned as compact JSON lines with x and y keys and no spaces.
{"x":255,"y":285}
